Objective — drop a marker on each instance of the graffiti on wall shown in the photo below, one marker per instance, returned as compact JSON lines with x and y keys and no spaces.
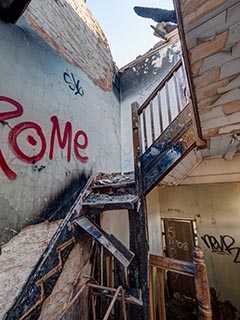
{"x":224,"y":245}
{"x":73,"y":84}
{"x":35,"y":138}
{"x":175,"y":244}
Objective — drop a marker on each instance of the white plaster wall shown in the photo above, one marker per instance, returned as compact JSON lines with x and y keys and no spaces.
{"x":216,"y":210}
{"x":154,"y":223}
{"x":32,"y":74}
{"x":116,"y":223}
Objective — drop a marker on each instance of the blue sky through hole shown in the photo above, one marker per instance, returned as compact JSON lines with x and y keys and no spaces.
{"x":128,"y":34}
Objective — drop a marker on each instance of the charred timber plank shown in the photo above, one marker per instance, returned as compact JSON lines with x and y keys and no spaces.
{"x":139,"y":268}
{"x":167,"y":137}
{"x":174,"y":265}
{"x":111,"y":204}
{"x":106,"y":187}
{"x":109,"y":242}
{"x":10,"y":11}
{"x":165,"y":161}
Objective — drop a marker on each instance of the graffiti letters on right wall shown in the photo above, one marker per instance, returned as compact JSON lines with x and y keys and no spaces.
{"x":224,"y":245}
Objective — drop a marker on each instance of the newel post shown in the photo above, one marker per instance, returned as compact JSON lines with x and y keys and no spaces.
{"x":139,"y":268}
{"x":136,"y":143}
{"x":201,"y":284}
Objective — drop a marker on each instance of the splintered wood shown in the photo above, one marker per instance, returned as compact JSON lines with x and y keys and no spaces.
{"x":114,"y":246}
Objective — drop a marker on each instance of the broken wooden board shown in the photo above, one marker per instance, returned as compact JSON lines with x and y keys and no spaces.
{"x":127,"y":297}
{"x":112,"y":191}
{"x":107,"y":201}
{"x":109,"y":242}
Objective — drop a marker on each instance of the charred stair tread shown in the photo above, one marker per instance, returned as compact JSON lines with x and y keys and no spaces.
{"x":108,"y":241}
{"x":100,"y":200}
{"x":111,"y":191}
{"x":112,"y":186}
{"x":114,"y":178}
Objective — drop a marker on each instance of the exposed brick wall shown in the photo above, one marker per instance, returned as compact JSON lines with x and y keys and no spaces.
{"x":71,"y":29}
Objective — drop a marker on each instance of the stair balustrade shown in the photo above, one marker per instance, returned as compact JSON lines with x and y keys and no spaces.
{"x":165,"y":103}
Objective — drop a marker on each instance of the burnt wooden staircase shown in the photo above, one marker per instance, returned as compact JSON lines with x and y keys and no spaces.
{"x":163,"y":128}
{"x":102,"y":192}
{"x":163,"y":133}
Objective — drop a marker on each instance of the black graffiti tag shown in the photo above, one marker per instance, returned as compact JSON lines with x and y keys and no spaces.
{"x":73,"y":84}
{"x":224,"y":245}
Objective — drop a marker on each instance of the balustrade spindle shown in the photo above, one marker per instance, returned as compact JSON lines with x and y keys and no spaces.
{"x":145,"y":131}
{"x":168,"y":103}
{"x":177,"y":92}
{"x":152,"y":122}
{"x":160,"y":112}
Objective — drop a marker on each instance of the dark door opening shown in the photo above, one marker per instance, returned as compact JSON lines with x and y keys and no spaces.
{"x":179,"y":239}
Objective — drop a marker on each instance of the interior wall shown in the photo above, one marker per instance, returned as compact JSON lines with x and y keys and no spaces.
{"x":116,"y":222}
{"x":215,"y":208}
{"x":154,"y":222}
{"x":54,"y":129}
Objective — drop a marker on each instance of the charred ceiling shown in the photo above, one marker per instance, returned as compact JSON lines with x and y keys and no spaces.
{"x":157,"y":14}
{"x":11,"y":10}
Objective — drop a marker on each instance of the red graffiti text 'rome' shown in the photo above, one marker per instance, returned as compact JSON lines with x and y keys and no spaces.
{"x":79,"y":141}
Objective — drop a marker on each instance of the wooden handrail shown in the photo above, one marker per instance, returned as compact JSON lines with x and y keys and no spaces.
{"x":196,"y":269}
{"x":174,"y":265}
{"x":160,"y":86}
{"x":163,"y":106}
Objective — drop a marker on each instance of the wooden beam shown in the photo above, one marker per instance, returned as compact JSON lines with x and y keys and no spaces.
{"x":157,"y":164}
{"x":109,"y":242}
{"x":139,"y":268}
{"x":201,"y":143}
{"x":174,"y":265}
